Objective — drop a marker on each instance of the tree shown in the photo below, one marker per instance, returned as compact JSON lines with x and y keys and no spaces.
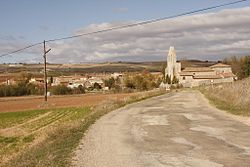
{"x":163,"y":68}
{"x":175,"y":80}
{"x":128,"y":82}
{"x":246,"y":67}
{"x":51,"y":80}
{"x":110,"y":82}
{"x":240,"y":65}
{"x":79,"y":90}
{"x":61,"y":90}
{"x":24,"y":77}
{"x":97,"y":86}
{"x":168,"y":79}
{"x":163,"y":71}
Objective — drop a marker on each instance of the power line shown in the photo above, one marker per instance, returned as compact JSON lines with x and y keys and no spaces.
{"x":145,"y":22}
{"x":29,"y":46}
{"x":129,"y":25}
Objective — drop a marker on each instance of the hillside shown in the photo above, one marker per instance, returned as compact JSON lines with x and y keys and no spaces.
{"x":107,"y":67}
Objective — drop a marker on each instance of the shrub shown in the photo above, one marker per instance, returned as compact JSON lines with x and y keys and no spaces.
{"x":61,"y":90}
{"x":21,"y":89}
{"x":97,"y":86}
{"x":143,"y":81}
{"x":110,"y":83}
{"x":79,"y":90}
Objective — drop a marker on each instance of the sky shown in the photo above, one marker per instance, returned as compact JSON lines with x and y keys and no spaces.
{"x":210,"y":35}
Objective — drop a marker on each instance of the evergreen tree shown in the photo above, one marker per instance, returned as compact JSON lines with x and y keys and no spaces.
{"x":168,"y":79}
{"x":175,"y":80}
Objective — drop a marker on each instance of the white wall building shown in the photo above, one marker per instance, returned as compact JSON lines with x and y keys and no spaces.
{"x":196,"y":76}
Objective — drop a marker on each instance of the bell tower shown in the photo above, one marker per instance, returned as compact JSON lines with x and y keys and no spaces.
{"x":171,"y":61}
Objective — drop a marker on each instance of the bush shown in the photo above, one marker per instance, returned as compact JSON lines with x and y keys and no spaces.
{"x":97,"y":86}
{"x":61,"y":90}
{"x":79,"y":90}
{"x":21,"y":89}
{"x":143,"y":81}
{"x":110,"y":83}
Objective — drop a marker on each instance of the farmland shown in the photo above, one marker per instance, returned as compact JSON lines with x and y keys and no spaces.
{"x":68,"y":69}
{"x":37,"y":102}
{"x":30,"y":136}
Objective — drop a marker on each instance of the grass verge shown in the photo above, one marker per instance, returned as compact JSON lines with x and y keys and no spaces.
{"x":231,"y":97}
{"x":54,"y":139}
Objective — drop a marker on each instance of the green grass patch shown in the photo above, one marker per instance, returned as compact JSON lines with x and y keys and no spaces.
{"x":29,"y":138}
{"x":8,"y":119}
{"x":7,"y":140}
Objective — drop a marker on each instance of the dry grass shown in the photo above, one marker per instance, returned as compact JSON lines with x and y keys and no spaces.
{"x":233,"y":97}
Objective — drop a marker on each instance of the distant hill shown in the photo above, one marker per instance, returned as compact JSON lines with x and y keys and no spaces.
{"x":107,"y":67}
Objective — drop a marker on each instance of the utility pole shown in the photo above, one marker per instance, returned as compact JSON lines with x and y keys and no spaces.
{"x":45,"y":71}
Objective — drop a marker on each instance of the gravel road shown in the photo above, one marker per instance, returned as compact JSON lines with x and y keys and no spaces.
{"x":176,"y":129}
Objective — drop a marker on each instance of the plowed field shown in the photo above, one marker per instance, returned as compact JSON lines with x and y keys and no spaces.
{"x":37,"y":102}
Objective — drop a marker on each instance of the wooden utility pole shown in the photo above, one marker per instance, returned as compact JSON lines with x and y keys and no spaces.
{"x":45,"y":70}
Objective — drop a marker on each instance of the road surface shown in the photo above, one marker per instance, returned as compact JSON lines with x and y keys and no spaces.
{"x":176,"y":129}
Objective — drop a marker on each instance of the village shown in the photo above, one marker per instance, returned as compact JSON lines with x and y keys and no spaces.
{"x":124,"y":83}
{"x":174,"y":76}
{"x":87,"y":82}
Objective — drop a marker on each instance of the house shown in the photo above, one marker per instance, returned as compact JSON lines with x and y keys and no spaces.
{"x":68,"y":80}
{"x":37,"y":81}
{"x":117,"y":75}
{"x":7,"y":81}
{"x":91,"y":81}
{"x":75,"y":84}
{"x":196,"y":76}
{"x":76,"y":81}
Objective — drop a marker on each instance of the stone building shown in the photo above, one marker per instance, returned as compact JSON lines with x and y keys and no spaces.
{"x":173,"y":67}
{"x":196,"y":76}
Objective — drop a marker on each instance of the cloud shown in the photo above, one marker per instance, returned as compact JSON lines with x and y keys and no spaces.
{"x":209,"y":36}
{"x":205,"y":36}
{"x":10,"y":43}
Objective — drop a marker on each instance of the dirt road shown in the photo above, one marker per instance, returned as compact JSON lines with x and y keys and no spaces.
{"x":179,"y":129}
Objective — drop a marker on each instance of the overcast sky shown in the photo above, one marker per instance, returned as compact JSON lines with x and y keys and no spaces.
{"x":208,"y":36}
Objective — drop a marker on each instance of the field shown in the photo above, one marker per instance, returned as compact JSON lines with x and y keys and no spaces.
{"x":11,"y":104}
{"x":48,"y":137}
{"x":69,"y":69}
{"x":232,"y":97}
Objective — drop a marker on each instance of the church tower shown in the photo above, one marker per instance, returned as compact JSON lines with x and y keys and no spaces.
{"x":173,"y":67}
